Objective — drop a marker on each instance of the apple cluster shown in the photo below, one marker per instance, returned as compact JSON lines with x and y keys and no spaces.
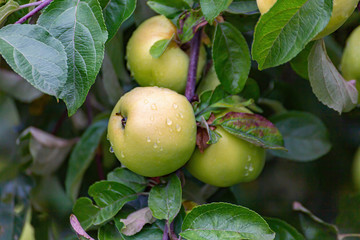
{"x":152,"y":128}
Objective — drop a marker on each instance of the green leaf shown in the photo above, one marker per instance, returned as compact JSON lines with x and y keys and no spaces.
{"x":169,"y":9}
{"x":300,"y":63}
{"x":35,"y":55}
{"x":82,"y":156}
{"x":212,"y":8}
{"x":110,"y":82}
{"x":17,"y":87}
{"x":147,"y":233}
{"x":283,"y":230}
{"x":10,"y":119}
{"x":115,"y":13}
{"x":165,"y":200}
{"x":312,"y":227}
{"x":231,"y":57}
{"x":188,"y":23}
{"x":80,"y":27}
{"x":86,"y":212}
{"x":348,"y":219}
{"x":14,"y":204}
{"x":109,"y":232}
{"x":225,"y":221}
{"x":327,"y":83}
{"x":5,"y":10}
{"x":47,"y":151}
{"x":287,"y":28}
{"x":242,"y":7}
{"x":128,"y":178}
{"x":159,"y":47}
{"x":253,"y":128}
{"x":305,"y":136}
{"x":110,"y":197}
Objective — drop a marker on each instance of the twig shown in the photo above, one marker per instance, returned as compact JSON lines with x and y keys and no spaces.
{"x":166,"y":233}
{"x":342,"y":236}
{"x":60,"y":122}
{"x":172,"y":232}
{"x":98,"y":158}
{"x":194,"y":59}
{"x":30,"y":5}
{"x":89,"y":109}
{"x":34,"y":11}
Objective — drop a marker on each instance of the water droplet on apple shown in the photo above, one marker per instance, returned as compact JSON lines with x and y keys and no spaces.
{"x":249,"y":158}
{"x":111,"y":150}
{"x":153,"y":106}
{"x":155,"y":145}
{"x":175,"y":106}
{"x":178,"y":128}
{"x":180,"y":115}
{"x":251,"y":168}
{"x":158,"y":141}
{"x":146,"y":101}
{"x":148,"y":139}
{"x":122,"y":154}
{"x":168,"y":121}
{"x":152,"y":118}
{"x":170,"y":130}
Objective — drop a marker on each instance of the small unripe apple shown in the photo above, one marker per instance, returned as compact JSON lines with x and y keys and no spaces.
{"x":350,"y":62}
{"x":229,"y":161}
{"x":152,"y":131}
{"x":342,"y":9}
{"x":209,"y":82}
{"x":171,"y":68}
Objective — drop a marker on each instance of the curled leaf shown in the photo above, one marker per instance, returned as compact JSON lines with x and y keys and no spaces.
{"x":75,"y":224}
{"x":253,"y":128}
{"x":136,"y":221}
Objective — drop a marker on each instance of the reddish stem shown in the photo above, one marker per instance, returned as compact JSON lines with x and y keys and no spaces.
{"x":166,"y":233}
{"x":99,"y":167}
{"x":194,"y":59}
{"x":33,"y":4}
{"x":60,"y":122}
{"x":34,"y":11}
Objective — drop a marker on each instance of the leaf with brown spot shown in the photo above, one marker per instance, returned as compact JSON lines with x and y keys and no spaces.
{"x":253,"y":128}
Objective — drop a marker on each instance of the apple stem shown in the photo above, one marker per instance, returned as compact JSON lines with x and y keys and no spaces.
{"x":193,"y":64}
{"x":34,"y":11}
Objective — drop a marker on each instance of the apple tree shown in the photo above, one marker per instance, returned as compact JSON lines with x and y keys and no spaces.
{"x":179,"y":119}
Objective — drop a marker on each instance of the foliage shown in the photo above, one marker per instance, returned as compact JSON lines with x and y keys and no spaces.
{"x":62,"y":69}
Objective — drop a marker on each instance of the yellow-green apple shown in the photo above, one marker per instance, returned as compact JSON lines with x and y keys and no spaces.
{"x":171,"y":68}
{"x":342,"y":9}
{"x":229,"y":161}
{"x":152,"y":131}
{"x":209,"y":82}
{"x":350,"y":62}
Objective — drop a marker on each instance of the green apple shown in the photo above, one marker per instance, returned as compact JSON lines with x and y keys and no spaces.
{"x":171,"y":68}
{"x":209,"y":82}
{"x":229,"y":161}
{"x":152,"y":131}
{"x":350,"y":62}
{"x":342,"y":9}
